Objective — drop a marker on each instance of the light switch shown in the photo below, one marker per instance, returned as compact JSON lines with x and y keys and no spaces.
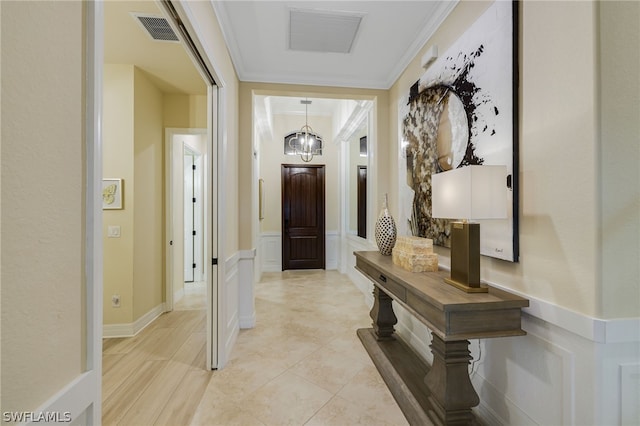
{"x":113,"y":231}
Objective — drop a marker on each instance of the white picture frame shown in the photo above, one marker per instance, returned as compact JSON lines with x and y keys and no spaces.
{"x":112,"y":194}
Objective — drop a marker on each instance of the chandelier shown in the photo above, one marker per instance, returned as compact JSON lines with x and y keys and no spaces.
{"x":306,"y":143}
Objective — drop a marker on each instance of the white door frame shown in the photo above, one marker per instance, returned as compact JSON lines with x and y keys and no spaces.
{"x":92,"y":393}
{"x":171,"y":233}
{"x":215,"y":169}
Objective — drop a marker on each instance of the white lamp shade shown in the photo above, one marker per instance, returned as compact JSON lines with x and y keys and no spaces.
{"x":471,"y":192}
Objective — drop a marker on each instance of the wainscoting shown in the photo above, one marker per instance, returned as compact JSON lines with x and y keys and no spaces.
{"x":238,"y":311}
{"x":246,"y":303}
{"x":228,"y":326}
{"x":271,"y":251}
{"x":569,"y":369}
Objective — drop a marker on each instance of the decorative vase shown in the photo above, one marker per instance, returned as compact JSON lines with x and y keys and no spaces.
{"x":386,"y":231}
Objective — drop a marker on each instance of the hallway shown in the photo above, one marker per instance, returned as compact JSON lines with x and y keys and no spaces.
{"x":301,"y":365}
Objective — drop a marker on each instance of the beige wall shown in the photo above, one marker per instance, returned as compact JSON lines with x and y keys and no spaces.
{"x":559,"y":151}
{"x":135,"y":114}
{"x":43,"y":198}
{"x":619,"y":158}
{"x":185,"y":111}
{"x":248,"y":89}
{"x":148,"y":266}
{"x":272,"y":157}
{"x":118,"y":162}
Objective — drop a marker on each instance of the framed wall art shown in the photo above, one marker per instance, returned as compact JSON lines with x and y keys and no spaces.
{"x":112,"y":194}
{"x":464,"y":111}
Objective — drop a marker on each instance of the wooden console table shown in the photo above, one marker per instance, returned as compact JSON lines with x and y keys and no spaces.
{"x":441,"y":393}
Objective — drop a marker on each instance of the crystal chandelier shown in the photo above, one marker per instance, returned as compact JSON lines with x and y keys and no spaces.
{"x":306,"y":143}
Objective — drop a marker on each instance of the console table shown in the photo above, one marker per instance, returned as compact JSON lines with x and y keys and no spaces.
{"x":441,"y":393}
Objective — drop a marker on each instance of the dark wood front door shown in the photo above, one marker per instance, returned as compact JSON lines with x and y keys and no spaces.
{"x":303,"y":228}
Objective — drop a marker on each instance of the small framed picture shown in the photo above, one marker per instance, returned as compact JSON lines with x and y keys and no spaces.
{"x":112,"y":194}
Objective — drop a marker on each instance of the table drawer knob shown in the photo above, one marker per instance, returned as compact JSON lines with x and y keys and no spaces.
{"x":382,"y":278}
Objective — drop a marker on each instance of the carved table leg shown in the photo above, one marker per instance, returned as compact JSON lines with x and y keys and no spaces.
{"x":382,"y":315}
{"x":452,"y":394}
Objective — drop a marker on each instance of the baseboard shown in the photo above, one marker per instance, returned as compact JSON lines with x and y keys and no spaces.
{"x":178,"y":295}
{"x":247,"y":322}
{"x":131,"y":329}
{"x":72,"y":404}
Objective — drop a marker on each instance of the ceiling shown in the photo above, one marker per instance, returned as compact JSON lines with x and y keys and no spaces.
{"x":257,"y":33}
{"x":389,"y":36}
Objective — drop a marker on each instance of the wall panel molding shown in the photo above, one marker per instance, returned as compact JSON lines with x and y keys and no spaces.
{"x":271,"y":251}
{"x":246,"y":303}
{"x":563,"y":354}
{"x":591,"y":328}
{"x":229,"y":309}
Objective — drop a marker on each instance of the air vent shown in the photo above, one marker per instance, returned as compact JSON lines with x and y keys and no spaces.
{"x":157,"y":27}
{"x":322,"y":30}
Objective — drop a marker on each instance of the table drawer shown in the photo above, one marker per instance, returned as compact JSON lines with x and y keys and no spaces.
{"x":383,"y":281}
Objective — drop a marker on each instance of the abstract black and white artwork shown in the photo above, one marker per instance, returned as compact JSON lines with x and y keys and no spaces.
{"x":463,"y":111}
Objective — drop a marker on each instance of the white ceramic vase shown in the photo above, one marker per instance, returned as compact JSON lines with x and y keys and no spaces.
{"x":386,"y":231}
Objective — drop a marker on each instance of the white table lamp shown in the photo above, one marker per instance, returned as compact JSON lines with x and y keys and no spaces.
{"x":468,"y":193}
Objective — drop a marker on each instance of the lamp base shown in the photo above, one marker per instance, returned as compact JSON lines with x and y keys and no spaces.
{"x":466,"y":288}
{"x":465,"y":257}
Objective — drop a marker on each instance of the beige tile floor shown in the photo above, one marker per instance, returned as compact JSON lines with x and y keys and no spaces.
{"x":194,"y":297}
{"x":301,"y":365}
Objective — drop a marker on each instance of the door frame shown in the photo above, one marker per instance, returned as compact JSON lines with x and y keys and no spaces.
{"x":323,"y":251}
{"x":186,"y":23}
{"x":92,"y":375}
{"x":170,"y":233}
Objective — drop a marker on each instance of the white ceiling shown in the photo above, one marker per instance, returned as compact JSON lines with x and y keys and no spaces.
{"x":390,"y":35}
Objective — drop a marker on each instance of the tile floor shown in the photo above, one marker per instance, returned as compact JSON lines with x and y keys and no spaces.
{"x":301,"y":365}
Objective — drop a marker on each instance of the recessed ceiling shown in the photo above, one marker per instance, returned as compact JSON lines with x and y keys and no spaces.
{"x":387,"y":38}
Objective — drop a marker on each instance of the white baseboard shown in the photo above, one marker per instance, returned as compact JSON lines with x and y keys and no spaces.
{"x":247,"y":321}
{"x":131,"y":329}
{"x":178,"y":295}
{"x":73,"y":403}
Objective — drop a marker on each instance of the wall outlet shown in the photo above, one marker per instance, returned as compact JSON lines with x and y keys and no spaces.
{"x":115,"y":301}
{"x":113,"y":231}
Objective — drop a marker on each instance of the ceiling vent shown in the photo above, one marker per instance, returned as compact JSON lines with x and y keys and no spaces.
{"x":157,"y":27}
{"x":323,"y":30}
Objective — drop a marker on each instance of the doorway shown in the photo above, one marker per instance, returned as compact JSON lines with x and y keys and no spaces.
{"x":186,"y":153}
{"x":303,"y":217}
